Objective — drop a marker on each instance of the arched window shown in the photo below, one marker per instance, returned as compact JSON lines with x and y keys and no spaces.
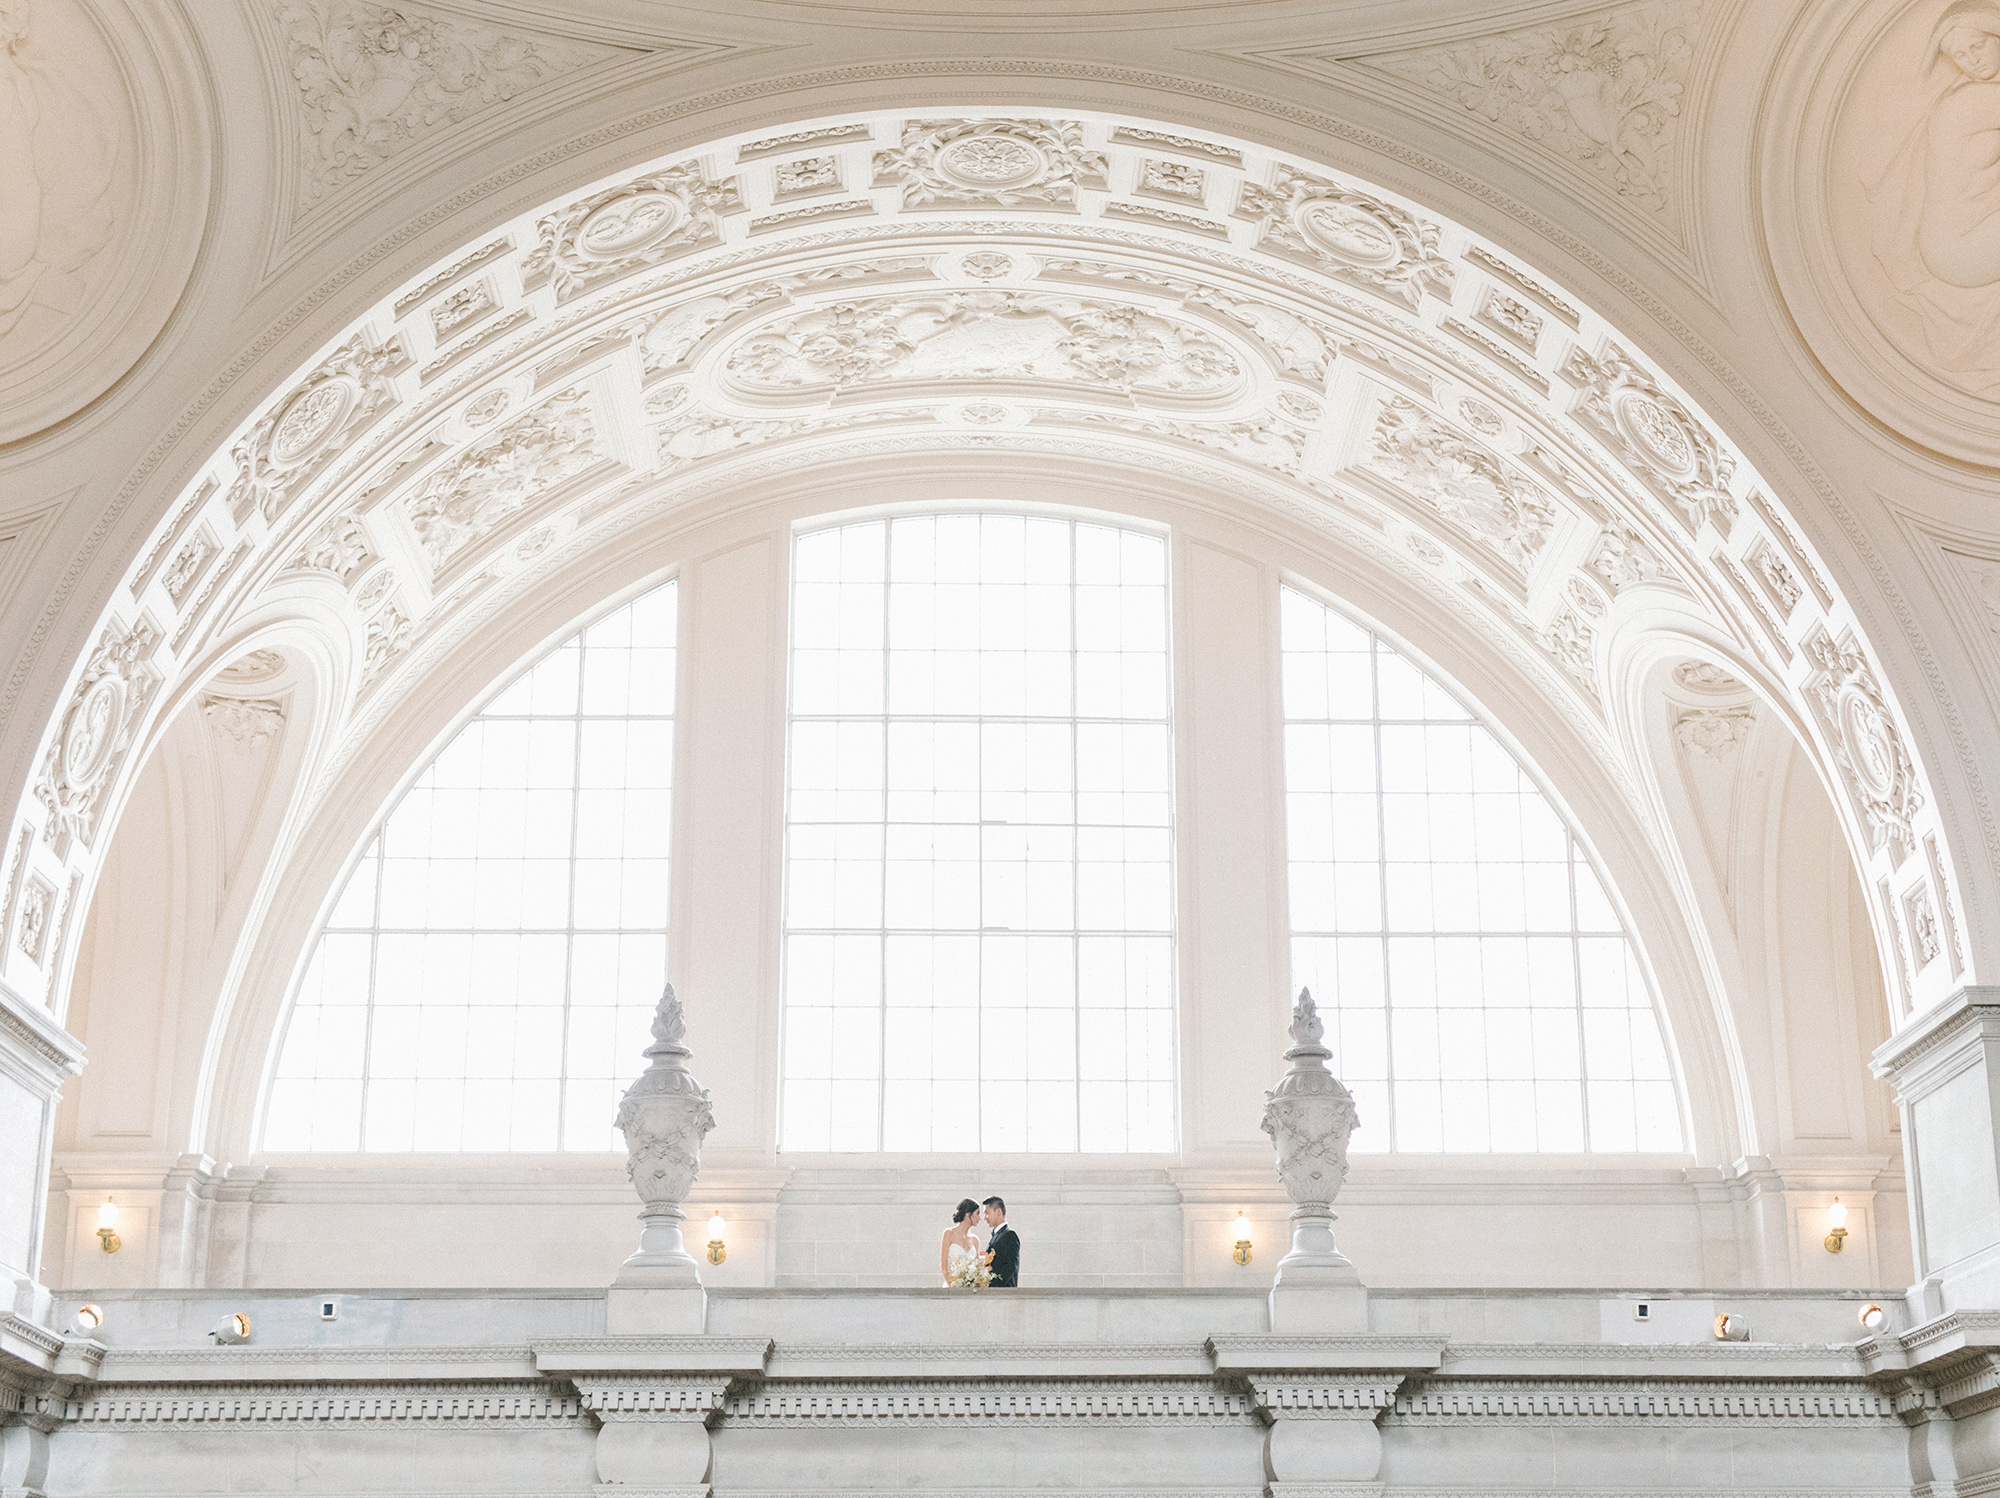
{"x":1481,"y":992}
{"x":487,"y":976}
{"x":979,"y":902}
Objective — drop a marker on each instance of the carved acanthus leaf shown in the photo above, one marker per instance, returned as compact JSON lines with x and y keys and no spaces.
{"x":373,"y":80}
{"x":1603,"y":93}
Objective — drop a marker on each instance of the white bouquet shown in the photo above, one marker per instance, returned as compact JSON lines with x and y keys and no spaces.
{"x":973,"y":1272}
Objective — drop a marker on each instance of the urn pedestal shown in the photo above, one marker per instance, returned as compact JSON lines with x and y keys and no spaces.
{"x":1309,"y":1116}
{"x":664,"y":1116}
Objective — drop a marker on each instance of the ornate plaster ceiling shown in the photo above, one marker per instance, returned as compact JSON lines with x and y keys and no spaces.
{"x":876,"y":285}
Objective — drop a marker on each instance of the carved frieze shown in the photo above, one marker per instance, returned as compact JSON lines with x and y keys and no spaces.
{"x":96,"y":730}
{"x":1602,"y":92}
{"x":1656,"y":436}
{"x":1349,"y":234}
{"x":962,"y":335}
{"x":373,"y":80}
{"x":1461,"y":480}
{"x":1867,"y":747}
{"x":630,"y":227}
{"x":31,"y":922}
{"x":187,"y":564}
{"x":502,"y":475}
{"x":997,"y":163}
{"x":1923,"y":922}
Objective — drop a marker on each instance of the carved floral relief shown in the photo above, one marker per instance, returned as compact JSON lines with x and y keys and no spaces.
{"x":373,"y":80}
{"x":950,"y":163}
{"x":1603,"y":92}
{"x":1656,"y":436}
{"x":1867,"y":747}
{"x":118,"y":682}
{"x":1462,"y":481}
{"x":502,"y":474}
{"x":630,"y":227}
{"x":984,"y":335}
{"x":1352,"y":235}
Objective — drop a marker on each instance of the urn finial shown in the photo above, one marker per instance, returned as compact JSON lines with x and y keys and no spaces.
{"x":664,"y":1115}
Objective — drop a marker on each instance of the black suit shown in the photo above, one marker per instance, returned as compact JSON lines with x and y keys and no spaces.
{"x":1006,"y":1250}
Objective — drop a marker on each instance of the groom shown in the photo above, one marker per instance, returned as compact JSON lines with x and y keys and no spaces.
{"x":1004,"y":1244}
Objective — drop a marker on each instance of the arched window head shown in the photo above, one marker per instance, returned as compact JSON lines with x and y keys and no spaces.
{"x":1480,"y":992}
{"x":979,"y":900}
{"x":487,"y":975}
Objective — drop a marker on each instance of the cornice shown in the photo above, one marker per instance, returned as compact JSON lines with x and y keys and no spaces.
{"x":32,"y":1034}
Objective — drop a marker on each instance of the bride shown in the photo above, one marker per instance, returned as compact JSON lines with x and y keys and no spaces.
{"x":960,"y":1242}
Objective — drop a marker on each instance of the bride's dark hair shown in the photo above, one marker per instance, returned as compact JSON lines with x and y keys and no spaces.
{"x":966,"y":1208}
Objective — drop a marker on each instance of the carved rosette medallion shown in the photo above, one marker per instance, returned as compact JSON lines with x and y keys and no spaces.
{"x":1462,"y":481}
{"x":1881,"y":776}
{"x":1655,"y":436}
{"x":310,"y":416}
{"x":1029,"y":163}
{"x":1351,"y":234}
{"x":630,"y":228}
{"x":664,"y":1117}
{"x":1309,"y":1115}
{"x":96,"y":731}
{"x":290,"y":446}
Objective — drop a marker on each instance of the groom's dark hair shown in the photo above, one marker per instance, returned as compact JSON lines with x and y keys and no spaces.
{"x":994,"y":1201}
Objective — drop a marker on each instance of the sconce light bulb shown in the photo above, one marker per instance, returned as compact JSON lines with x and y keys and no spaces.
{"x":1242,"y":1253}
{"x":1836,"y":1215}
{"x":107,"y":1215}
{"x":717,"y":1249}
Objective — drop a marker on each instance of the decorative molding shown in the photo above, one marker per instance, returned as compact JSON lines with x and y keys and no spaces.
{"x":489,"y":1405}
{"x":105,"y":708}
{"x":1353,"y":236}
{"x":1042,"y":1401}
{"x":997,"y":163}
{"x":1462,"y":481}
{"x":1474,"y":1401}
{"x":466,"y":499}
{"x":1875,"y":764}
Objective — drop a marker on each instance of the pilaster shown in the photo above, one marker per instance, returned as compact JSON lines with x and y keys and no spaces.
{"x":36,"y":1057}
{"x":1945,"y":1067}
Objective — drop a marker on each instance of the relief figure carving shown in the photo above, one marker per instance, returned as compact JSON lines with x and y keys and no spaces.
{"x":1936,"y":207}
{"x":58,"y":152}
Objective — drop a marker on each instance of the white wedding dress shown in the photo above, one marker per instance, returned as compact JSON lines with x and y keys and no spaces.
{"x":955,"y":1256}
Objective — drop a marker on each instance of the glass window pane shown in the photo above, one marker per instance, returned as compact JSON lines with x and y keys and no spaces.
{"x":1479,"y":987}
{"x":979,"y":891}
{"x":489,"y":970}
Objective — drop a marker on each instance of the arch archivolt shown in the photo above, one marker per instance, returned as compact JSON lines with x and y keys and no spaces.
{"x":1010,"y":293}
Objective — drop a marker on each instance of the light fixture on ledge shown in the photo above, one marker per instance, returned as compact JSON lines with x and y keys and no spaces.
{"x":1242,"y":1254}
{"x":1836,"y":1216}
{"x":1872,"y":1317}
{"x":88,"y":1318}
{"x":232,"y":1329}
{"x":717,"y":1250}
{"x":1731,"y":1328}
{"x":107,"y":1223}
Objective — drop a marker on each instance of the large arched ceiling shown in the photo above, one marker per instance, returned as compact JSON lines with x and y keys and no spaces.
{"x":1008,"y":286}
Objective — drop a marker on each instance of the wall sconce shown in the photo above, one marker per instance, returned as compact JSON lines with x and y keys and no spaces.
{"x":717,"y":1251}
{"x":1731,"y":1328}
{"x":107,"y":1222}
{"x":233,"y":1329}
{"x":1873,"y":1318}
{"x":88,"y":1318}
{"x":1242,"y":1254}
{"x":1836,"y":1215}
